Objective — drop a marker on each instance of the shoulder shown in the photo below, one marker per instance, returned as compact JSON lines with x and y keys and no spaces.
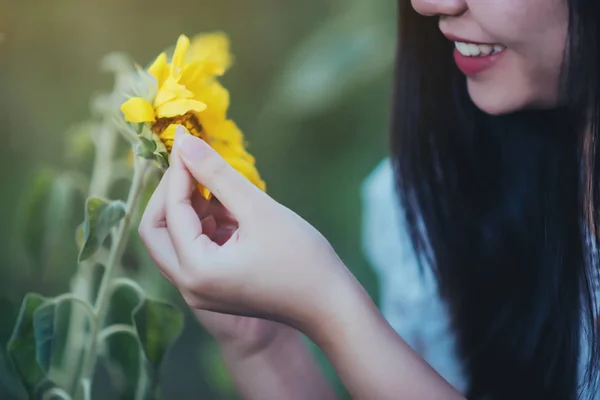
{"x":408,"y":294}
{"x":385,"y":238}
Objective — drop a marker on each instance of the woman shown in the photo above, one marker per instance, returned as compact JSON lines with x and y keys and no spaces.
{"x":490,"y":272}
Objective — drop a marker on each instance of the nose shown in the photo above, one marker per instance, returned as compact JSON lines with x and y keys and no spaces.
{"x":440,"y":7}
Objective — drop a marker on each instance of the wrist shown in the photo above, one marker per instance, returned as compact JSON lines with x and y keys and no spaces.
{"x":240,"y":350}
{"x":344,"y":305}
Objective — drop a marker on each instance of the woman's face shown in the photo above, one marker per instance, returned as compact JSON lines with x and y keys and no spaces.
{"x":511,"y":50}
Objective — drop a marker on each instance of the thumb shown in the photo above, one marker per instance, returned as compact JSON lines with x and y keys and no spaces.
{"x":211,"y":170}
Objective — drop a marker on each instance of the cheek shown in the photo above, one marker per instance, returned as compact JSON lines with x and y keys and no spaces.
{"x":534,"y":32}
{"x":516,"y":22}
{"x":517,"y":82}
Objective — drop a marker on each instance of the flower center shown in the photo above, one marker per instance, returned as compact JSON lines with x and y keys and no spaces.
{"x":189,"y":120}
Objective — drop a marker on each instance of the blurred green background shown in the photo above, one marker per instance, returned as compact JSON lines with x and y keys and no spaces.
{"x":310,"y":88}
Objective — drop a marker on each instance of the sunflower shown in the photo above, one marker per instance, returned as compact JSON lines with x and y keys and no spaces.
{"x":190,"y":95}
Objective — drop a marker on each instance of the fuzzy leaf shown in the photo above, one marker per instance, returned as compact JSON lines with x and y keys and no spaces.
{"x":121,"y":357}
{"x":9,"y":387}
{"x":44,"y":323}
{"x":123,"y":303}
{"x":157,"y":324}
{"x":145,"y":148}
{"x":162,"y":159}
{"x":121,"y":350}
{"x":22,"y":344}
{"x":79,"y":235}
{"x":100,"y":217}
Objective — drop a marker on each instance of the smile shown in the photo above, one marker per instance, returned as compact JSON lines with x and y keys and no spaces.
{"x":478,"y":50}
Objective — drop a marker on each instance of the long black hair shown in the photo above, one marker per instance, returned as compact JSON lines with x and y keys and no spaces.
{"x":506,"y":210}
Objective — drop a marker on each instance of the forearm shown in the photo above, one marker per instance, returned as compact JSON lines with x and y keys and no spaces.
{"x":370,"y":357}
{"x":284,"y":370}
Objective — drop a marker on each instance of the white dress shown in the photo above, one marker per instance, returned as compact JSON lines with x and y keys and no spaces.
{"x":409,"y":300}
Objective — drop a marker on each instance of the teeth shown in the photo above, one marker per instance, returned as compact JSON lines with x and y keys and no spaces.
{"x":498,"y":48}
{"x":478,"y":50}
{"x":486,"y":49}
{"x":473,"y":50}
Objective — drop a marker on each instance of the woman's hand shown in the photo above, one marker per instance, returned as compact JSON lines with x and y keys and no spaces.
{"x":240,"y":337}
{"x":274,"y":265}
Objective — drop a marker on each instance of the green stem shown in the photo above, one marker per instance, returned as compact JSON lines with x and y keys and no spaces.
{"x":106,"y":145}
{"x":106,"y":140}
{"x":56,"y":392}
{"x":114,"y":329}
{"x":71,"y":297}
{"x":118,"y":247}
{"x":123,"y":282}
{"x":86,"y":387}
{"x":142,"y":383}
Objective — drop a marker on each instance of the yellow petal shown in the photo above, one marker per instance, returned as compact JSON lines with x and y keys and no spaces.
{"x":159,"y":69}
{"x":137,"y":109}
{"x":225,"y":130}
{"x":204,"y":191}
{"x":181,"y":49}
{"x":232,"y":150}
{"x":193,"y":75}
{"x":179,"y":107}
{"x":249,"y":171}
{"x":171,"y":90}
{"x":215,"y":96}
{"x":213,"y":50}
{"x":169,"y":134}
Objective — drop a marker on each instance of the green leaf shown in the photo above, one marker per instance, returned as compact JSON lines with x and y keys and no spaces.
{"x":123,"y":302}
{"x":162,"y":159}
{"x":100,"y":217}
{"x":121,"y":348}
{"x":22,"y":344}
{"x":122,"y":359}
{"x":157,"y":324}
{"x":10,"y":385}
{"x":79,"y":235}
{"x":56,"y":346}
{"x":9,"y":382}
{"x":44,"y":323}
{"x":145,"y":148}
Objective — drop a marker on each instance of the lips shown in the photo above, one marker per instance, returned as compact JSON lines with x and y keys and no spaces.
{"x":470,"y":65}
{"x":474,"y":57}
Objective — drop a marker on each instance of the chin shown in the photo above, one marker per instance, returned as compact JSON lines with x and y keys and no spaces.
{"x":496,"y":100}
{"x":500,"y":99}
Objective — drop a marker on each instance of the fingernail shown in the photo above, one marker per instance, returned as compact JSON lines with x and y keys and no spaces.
{"x":180,"y":134}
{"x":189,"y":147}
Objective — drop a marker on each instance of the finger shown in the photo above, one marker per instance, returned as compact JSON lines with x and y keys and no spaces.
{"x":183,"y":223}
{"x":163,"y":254}
{"x":232,"y":189}
{"x":154,"y":214}
{"x":200,"y":204}
{"x":154,"y":234}
{"x":223,"y":233}
{"x":209,"y":226}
